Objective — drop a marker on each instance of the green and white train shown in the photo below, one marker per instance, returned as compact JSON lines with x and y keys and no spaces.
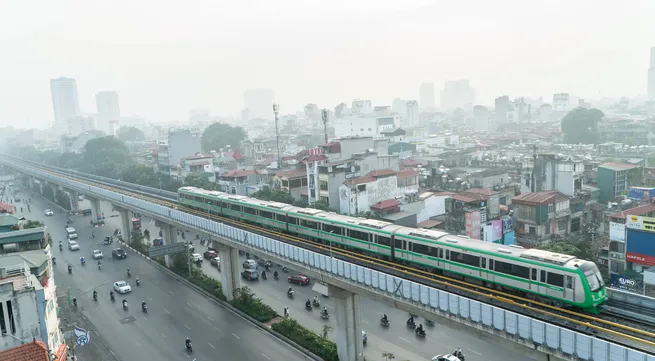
{"x":553,"y":278}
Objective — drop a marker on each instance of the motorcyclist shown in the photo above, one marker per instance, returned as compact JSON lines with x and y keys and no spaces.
{"x":419,"y":329}
{"x":308,"y":304}
{"x":187,"y":342}
{"x":70,"y":269}
{"x":143,"y":304}
{"x":315,"y":300}
{"x":324,"y":311}
{"x":95,"y":295}
{"x":93,"y":234}
{"x":129,"y":273}
{"x":111,"y":295}
{"x":458,"y":353}
{"x":385,"y":319}
{"x":264,"y":274}
{"x":289,"y":291}
{"x":138,"y":281}
{"x":74,"y":301}
{"x":411,"y":321}
{"x":275,"y":274}
{"x":82,"y":260}
{"x":124,"y":303}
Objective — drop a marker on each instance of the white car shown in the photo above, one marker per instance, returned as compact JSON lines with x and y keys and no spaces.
{"x":446,"y":357}
{"x":250,"y":264}
{"x":196,"y":257}
{"x":122,"y":287}
{"x":97,"y":254}
{"x":48,"y":212}
{"x":73,"y":246}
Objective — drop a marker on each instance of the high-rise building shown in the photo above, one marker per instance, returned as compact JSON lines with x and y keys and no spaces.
{"x":457,"y":94}
{"x":480,"y":118}
{"x":561,"y":102}
{"x":412,"y":118}
{"x":65,"y":102}
{"x":259,"y":103}
{"x":341,"y":110}
{"x":502,"y":107}
{"x":651,"y":75}
{"x":108,"y":109}
{"x":399,"y":106}
{"x":426,"y":96}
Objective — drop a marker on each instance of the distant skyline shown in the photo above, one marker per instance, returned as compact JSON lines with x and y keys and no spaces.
{"x":167,"y":58}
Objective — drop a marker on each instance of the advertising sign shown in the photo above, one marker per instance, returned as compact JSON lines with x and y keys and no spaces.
{"x":641,"y":193}
{"x":640,"y":247}
{"x":497,"y":230}
{"x":473,"y":224}
{"x":617,"y":231}
{"x":627,"y":283}
{"x":508,"y":238}
{"x":640,"y":223}
{"x":508,"y":224}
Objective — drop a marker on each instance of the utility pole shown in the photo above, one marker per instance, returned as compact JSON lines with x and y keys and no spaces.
{"x":276,"y":111}
{"x":325,"y":115}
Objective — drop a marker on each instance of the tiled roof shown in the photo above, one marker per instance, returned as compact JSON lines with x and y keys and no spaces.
{"x":382,"y":205}
{"x":239,"y":173}
{"x":296,"y":173}
{"x":636,"y":211}
{"x":481,"y":191}
{"x":33,"y":351}
{"x":468,"y":198}
{"x":315,"y":158}
{"x":409,"y":162}
{"x":381,"y":173}
{"x":407,"y":173}
{"x":198,"y":156}
{"x":428,"y":223}
{"x":197,"y":164}
{"x":6,"y":207}
{"x":540,"y":198}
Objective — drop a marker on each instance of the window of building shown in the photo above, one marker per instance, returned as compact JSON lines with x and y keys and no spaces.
{"x":3,"y":320}
{"x":551,"y":208}
{"x":10,"y":317}
{"x":532,"y":230}
{"x":561,"y":225}
{"x":323,"y":185}
{"x":617,"y":247}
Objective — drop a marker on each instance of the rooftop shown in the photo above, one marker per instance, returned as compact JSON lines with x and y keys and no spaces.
{"x":636,"y":211}
{"x":34,"y":259}
{"x":407,"y":173}
{"x":239,"y":173}
{"x":540,"y":198}
{"x":386,"y":204}
{"x":490,"y":172}
{"x":381,"y":173}
{"x":8,"y":220}
{"x":618,"y":166}
{"x":295,"y":173}
{"x":33,"y":351}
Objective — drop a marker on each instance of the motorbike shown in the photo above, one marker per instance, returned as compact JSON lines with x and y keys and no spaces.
{"x":82,"y":261}
{"x":290,"y":294}
{"x":384,"y":322}
{"x":429,"y":323}
{"x":411,"y":325}
{"x":70,"y":270}
{"x":138,"y":282}
{"x":95,"y":297}
{"x":189,"y":347}
{"x":99,"y":266}
{"x":129,"y":273}
{"x":144,"y":308}
{"x":75,"y":302}
{"x":459,"y":354}
{"x":112,"y":297}
{"x":125,"y":305}
{"x":61,"y":248}
{"x":285,"y":270}
{"x":276,"y":276}
{"x":325,"y":315}
{"x":264,"y":276}
{"x":420,"y":333}
{"x":316,"y":303}
{"x":308,"y":306}
{"x":54,"y":261}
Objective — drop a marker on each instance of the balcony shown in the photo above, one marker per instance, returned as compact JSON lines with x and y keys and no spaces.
{"x":617,"y":256}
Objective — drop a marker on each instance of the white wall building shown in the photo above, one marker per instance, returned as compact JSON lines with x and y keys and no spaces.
{"x":428,"y":205}
{"x":412,"y":117}
{"x":364,"y":126}
{"x":361,"y":107}
{"x":553,"y":173}
{"x":561,"y":102}
{"x":29,"y":306}
{"x":358,"y":194}
{"x":65,"y":102}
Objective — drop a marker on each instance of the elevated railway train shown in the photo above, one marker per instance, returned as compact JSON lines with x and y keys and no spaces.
{"x":557,"y":279}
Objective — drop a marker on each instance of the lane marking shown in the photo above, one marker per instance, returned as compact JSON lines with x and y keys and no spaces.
{"x":366,"y":322}
{"x":236,"y":336}
{"x":149,"y":298}
{"x":167,"y":311}
{"x":475,"y":352}
{"x":404,"y":339}
{"x":329,"y":306}
{"x":171,"y":292}
{"x":188,"y":304}
{"x":97,"y":334}
{"x":188,"y":328}
{"x":164,"y":336}
{"x":145,"y":318}
{"x":268,"y":358}
{"x":111,"y":352}
{"x":137,"y":343}
{"x":209,"y":318}
{"x":212,"y":346}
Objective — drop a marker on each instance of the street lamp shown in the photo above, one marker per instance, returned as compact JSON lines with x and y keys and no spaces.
{"x":276,"y":111}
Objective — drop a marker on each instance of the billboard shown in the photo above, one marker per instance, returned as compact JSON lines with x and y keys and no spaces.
{"x":640,"y":247}
{"x":627,"y":283}
{"x":493,"y":231}
{"x":508,"y":224}
{"x":473,"y":224}
{"x":617,"y":231}
{"x":641,"y":193}
{"x":508,"y":238}
{"x":640,"y":223}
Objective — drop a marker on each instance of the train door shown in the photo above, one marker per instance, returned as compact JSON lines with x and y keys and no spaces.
{"x":541,"y":287}
{"x":569,"y":288}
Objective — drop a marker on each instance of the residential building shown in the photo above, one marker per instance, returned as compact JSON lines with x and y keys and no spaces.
{"x":362,"y":125}
{"x":28,"y":301}
{"x":617,"y":235}
{"x":552,"y":172}
{"x":426,"y":206}
{"x":259,"y":104}
{"x":358,"y":194}
{"x":81,"y":124}
{"x":412,"y":111}
{"x":179,"y":144}
{"x":341,"y":110}
{"x":108,"y":109}
{"x":489,"y":178}
{"x":230,"y":160}
{"x":426,"y":96}
{"x":199,"y":164}
{"x":561,"y":102}
{"x":65,"y":102}
{"x":501,"y":109}
{"x":457,"y":94}
{"x":293,"y":182}
{"x":75,"y":143}
{"x":312,"y":115}
{"x":361,"y":107}
{"x":480,"y":118}
{"x":540,"y":215}
{"x":240,"y":182}
{"x":615,"y":178}
{"x":33,"y":351}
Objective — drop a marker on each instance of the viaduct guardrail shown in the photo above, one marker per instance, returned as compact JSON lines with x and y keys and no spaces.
{"x":404,"y":294}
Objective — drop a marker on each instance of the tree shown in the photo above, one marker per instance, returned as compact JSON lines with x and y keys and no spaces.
{"x":198,"y":181}
{"x":322,"y":205}
{"x":33,"y":224}
{"x":580,"y":125}
{"x":62,"y":199}
{"x":220,"y":135}
{"x":388,"y":356}
{"x":105,"y":157}
{"x":141,"y":174}
{"x":130,"y":134}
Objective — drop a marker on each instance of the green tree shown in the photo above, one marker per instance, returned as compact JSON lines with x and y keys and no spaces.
{"x":198,"y":181}
{"x":130,"y":134}
{"x":580,"y":125}
{"x":220,"y":135}
{"x":105,"y":157}
{"x":322,"y":205}
{"x":63,"y":199}
{"x":268,"y":194}
{"x":33,"y":224}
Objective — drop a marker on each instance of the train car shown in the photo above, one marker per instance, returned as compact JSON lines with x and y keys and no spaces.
{"x":549,"y":277}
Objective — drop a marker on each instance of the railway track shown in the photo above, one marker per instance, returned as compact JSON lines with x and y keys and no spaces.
{"x":620,"y":324}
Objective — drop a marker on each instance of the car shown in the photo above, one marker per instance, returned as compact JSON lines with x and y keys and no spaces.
{"x":209,"y":254}
{"x":249,"y":264}
{"x":97,"y":254}
{"x":118,"y":253}
{"x":197,"y":257}
{"x":190,"y":245}
{"x":262,"y":262}
{"x":48,"y":212}
{"x":216,"y":262}
{"x":80,"y":198}
{"x":364,"y":337}
{"x":122,"y":287}
{"x":299,"y":279}
{"x":250,"y":274}
{"x":73,"y":246}
{"x":446,"y":357}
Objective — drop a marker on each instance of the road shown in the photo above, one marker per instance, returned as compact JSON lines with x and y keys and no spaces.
{"x":174,"y":313}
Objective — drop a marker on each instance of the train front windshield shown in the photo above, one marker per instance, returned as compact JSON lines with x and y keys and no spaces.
{"x":593,"y":276}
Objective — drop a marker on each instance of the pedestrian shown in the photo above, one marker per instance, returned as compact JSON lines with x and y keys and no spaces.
{"x":286,"y":312}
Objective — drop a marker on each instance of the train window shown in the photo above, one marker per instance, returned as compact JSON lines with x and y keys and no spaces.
{"x":309,"y":224}
{"x":569,"y":282}
{"x":420,"y":248}
{"x":447,"y":254}
{"x":491,"y":264}
{"x":235,"y":207}
{"x":265,"y":214}
{"x":291,"y":220}
{"x":332,"y":229}
{"x":512,"y":269}
{"x":440,"y":252}
{"x":434,"y":251}
{"x":358,"y":235}
{"x":483,"y":263}
{"x":465,"y":258}
{"x":542,"y":276}
{"x":250,"y":210}
{"x":533,"y":275}
{"x":384,"y":241}
{"x":398,"y":244}
{"x":555,"y":279}
{"x":197,"y":199}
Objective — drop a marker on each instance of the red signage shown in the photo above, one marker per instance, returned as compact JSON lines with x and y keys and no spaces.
{"x":640,"y":258}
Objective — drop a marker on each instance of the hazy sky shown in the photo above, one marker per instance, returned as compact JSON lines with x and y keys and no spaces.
{"x":166,"y":57}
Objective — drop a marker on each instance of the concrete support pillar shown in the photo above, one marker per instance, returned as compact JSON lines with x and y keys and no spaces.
{"x":350,"y":346}
{"x":126,"y":223}
{"x":230,"y":275}
{"x":75,"y":204}
{"x":96,"y":211}
{"x":169,"y":234}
